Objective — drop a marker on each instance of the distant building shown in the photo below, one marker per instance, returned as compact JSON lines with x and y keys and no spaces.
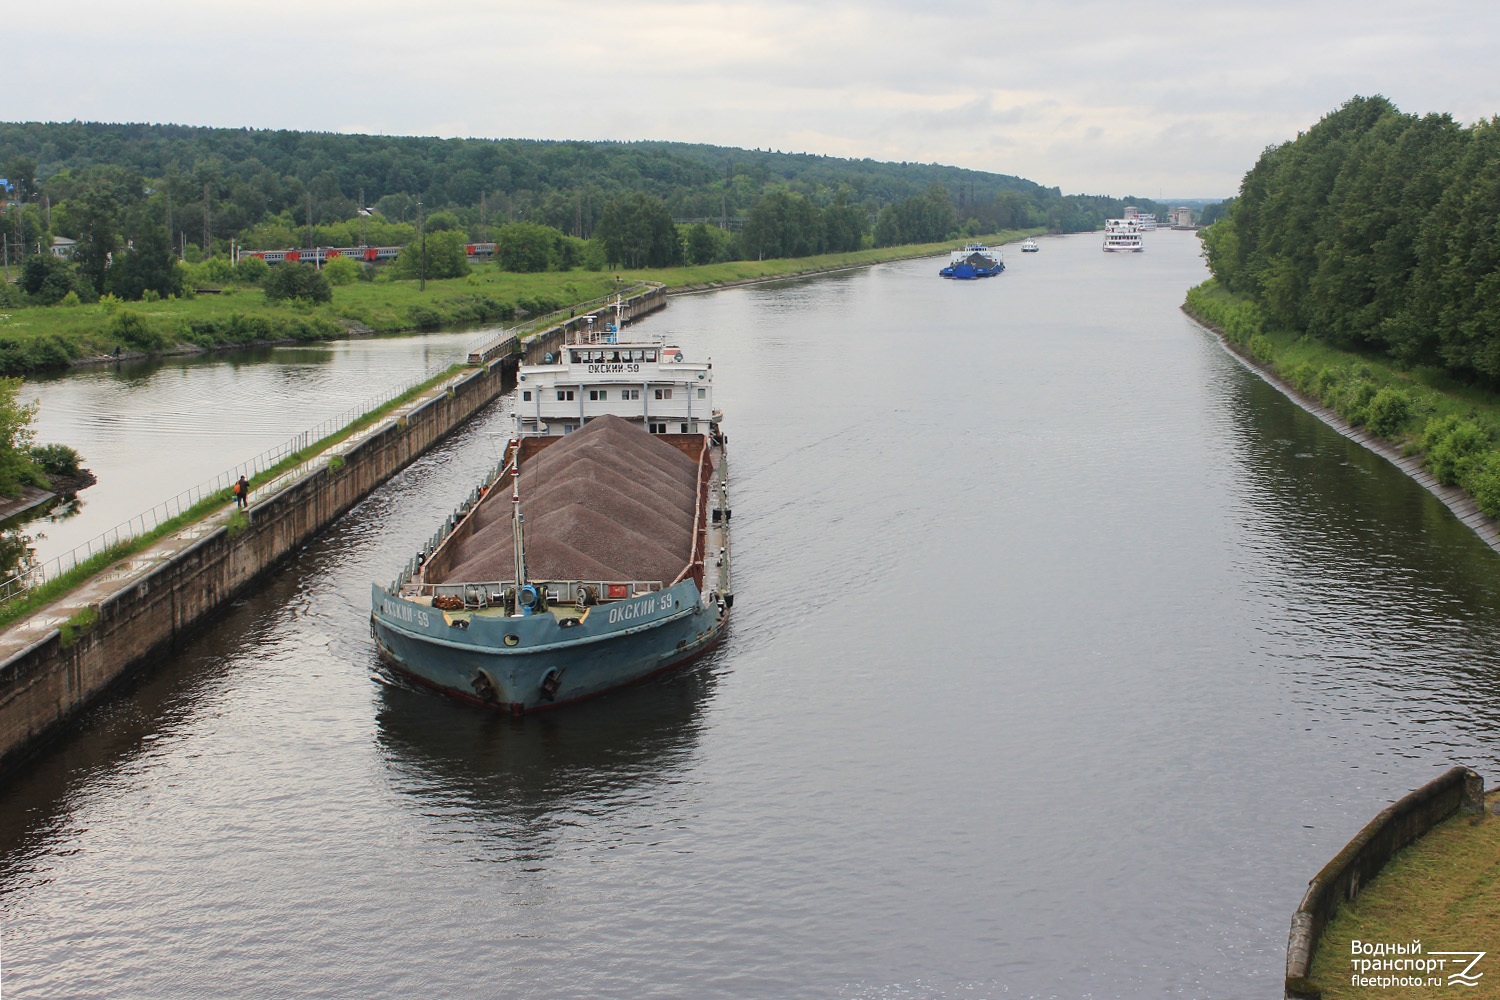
{"x":1182,"y":217}
{"x":1131,"y":212}
{"x":63,"y":247}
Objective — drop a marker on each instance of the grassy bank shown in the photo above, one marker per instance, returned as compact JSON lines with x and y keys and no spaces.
{"x":1440,"y":891}
{"x":41,"y":337}
{"x":1454,"y":428}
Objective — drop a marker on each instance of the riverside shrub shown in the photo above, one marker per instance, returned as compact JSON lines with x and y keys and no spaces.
{"x":1453,"y":443}
{"x":130,"y":329}
{"x":1388,"y":411}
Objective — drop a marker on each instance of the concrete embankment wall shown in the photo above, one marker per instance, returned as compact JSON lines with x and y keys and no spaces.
{"x":1397,"y":826}
{"x":51,"y":681}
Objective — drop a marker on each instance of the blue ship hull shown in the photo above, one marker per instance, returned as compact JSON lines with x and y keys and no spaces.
{"x":966,"y":271}
{"x":521,"y":664}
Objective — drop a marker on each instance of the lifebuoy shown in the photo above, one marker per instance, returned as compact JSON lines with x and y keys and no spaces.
{"x":529,"y":597}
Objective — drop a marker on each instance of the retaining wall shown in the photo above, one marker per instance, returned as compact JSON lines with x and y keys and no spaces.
{"x":1340,"y":881}
{"x":49,"y":682}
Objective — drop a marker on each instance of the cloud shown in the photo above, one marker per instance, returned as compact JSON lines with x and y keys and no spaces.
{"x":1089,"y":95}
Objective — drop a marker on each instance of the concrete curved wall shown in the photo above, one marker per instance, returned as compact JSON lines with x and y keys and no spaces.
{"x":1398,"y":825}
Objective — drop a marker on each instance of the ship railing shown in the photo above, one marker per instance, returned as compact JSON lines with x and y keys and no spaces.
{"x":501,"y":593}
{"x":694,"y":567}
{"x":452,"y":521}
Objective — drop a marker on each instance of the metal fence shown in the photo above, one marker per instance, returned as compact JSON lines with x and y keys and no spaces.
{"x":39,"y":573}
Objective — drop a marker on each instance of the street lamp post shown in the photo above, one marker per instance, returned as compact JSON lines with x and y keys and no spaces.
{"x":421,"y":260}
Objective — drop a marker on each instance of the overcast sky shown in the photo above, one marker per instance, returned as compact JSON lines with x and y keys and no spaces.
{"x":1153,"y":98}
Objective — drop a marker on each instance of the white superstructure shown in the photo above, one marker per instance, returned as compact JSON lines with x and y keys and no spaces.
{"x":651,"y":383}
{"x":1123,"y":235}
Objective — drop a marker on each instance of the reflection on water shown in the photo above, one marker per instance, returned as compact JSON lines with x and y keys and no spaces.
{"x":520,"y":779}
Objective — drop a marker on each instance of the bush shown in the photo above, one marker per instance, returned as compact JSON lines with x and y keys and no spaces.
{"x":1452,"y":444}
{"x":297,"y":281}
{"x":251,"y":271}
{"x":47,"y":351}
{"x":1484,"y":483}
{"x":342,"y":271}
{"x":130,"y":329}
{"x":1354,"y":400}
{"x":1388,"y":411}
{"x":57,"y":459}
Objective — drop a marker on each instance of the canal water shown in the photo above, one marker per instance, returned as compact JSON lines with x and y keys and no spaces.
{"x":150,"y":430}
{"x":1065,"y":652}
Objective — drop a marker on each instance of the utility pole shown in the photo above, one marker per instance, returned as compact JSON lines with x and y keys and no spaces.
{"x":309,"y":220}
{"x":207,"y":240}
{"x":421,"y":260}
{"x":363,"y":219}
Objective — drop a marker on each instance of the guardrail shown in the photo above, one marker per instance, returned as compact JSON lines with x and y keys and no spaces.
{"x":39,"y":573}
{"x":508,"y":340}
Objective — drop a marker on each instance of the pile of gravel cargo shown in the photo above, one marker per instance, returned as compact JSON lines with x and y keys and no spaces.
{"x":607,"y":502}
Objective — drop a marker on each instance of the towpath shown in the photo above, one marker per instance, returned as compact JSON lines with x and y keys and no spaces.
{"x":24,"y":632}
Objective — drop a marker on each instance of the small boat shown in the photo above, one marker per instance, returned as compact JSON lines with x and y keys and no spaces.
{"x":1123,"y":236}
{"x":974,"y":261}
{"x":1028,"y":245}
{"x":619,"y":567}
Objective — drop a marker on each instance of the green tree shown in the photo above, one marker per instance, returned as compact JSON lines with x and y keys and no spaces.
{"x":446,"y":256}
{"x":526,"y":247}
{"x":95,"y":211}
{"x":149,"y":264}
{"x":17,"y":467}
{"x":782,"y":224}
{"x":705,"y":244}
{"x":636,"y":230}
{"x":297,"y":281}
{"x":47,"y":278}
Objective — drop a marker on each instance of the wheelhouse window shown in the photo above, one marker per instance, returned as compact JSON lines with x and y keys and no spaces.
{"x":702,"y":393}
{"x":596,"y":395}
{"x":663,"y":393}
{"x":526,"y":395}
{"x":564,"y":394}
{"x":658,"y":428}
{"x":630,"y":394}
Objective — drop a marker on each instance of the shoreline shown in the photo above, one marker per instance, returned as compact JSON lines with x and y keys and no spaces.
{"x":355,"y":330}
{"x":791,"y":275}
{"x":1456,"y":500}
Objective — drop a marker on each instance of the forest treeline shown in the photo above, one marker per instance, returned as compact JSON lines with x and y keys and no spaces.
{"x":1378,"y":232}
{"x":183,"y":192}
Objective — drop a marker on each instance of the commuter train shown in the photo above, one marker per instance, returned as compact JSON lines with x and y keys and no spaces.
{"x":372,"y":255}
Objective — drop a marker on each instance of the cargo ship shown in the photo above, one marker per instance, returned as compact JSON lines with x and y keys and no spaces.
{"x":597,"y":552}
{"x":974,"y":261}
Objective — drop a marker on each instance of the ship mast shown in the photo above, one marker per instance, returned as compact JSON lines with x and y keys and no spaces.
{"x":515,"y":514}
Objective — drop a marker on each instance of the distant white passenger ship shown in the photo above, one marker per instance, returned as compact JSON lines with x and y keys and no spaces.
{"x":1122,"y":236}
